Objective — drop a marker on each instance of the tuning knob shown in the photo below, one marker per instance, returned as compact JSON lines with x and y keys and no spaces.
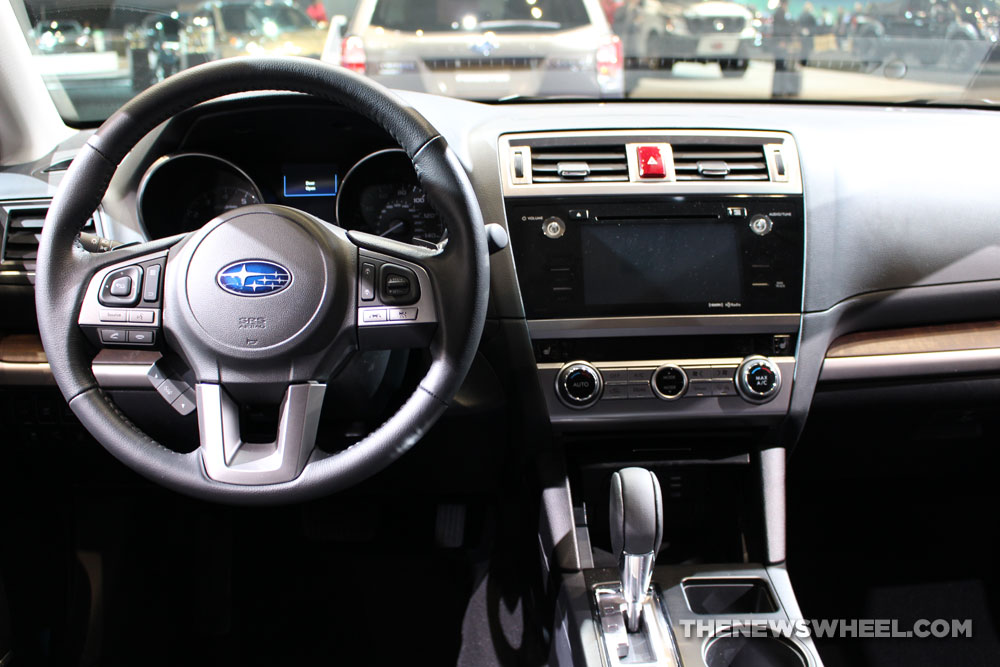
{"x":579,"y":384}
{"x":758,"y":379}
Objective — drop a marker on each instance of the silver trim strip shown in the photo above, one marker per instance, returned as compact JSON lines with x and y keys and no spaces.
{"x":229,"y":459}
{"x":675,"y":325}
{"x":887,"y":366}
{"x":26,"y":374}
{"x":789,"y":152}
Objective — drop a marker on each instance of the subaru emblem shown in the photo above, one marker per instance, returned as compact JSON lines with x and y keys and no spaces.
{"x":254,"y":277}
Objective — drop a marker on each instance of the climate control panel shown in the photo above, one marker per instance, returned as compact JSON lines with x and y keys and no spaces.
{"x":668,"y":388}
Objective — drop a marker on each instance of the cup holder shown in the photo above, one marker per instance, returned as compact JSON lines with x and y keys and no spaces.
{"x":729,"y":596}
{"x":753,"y":652}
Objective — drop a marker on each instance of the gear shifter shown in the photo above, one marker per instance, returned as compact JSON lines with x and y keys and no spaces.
{"x":636,"y":514}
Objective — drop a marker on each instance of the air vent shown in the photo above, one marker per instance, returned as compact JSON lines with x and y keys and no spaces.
{"x":719,"y":162}
{"x":579,"y":164}
{"x":20,"y":232}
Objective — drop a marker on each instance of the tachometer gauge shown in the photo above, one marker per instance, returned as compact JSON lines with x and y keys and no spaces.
{"x":216,"y":201}
{"x":181,"y":192}
{"x":380,"y":195}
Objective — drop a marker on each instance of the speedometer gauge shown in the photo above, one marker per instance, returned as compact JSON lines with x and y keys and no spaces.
{"x":380,"y":195}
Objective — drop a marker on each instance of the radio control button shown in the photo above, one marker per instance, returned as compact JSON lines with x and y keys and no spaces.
{"x":669,"y":382}
{"x":553,"y":227}
{"x":761,"y":225}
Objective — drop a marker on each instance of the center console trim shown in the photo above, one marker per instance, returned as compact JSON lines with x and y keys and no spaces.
{"x":598,"y":327}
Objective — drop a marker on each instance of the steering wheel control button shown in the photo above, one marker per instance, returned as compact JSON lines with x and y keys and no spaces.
{"x":579,"y":385}
{"x":398,"y":286}
{"x":113,"y":315}
{"x":121,"y":287}
{"x":553,"y":228}
{"x":761,"y":225}
{"x":155,"y":375}
{"x":113,"y":336}
{"x":151,"y":283}
{"x":369,"y":315}
{"x":669,"y":382}
{"x":367,"y":282}
{"x":402,"y":314}
{"x":170,"y":390}
{"x":758,"y":379}
{"x":141,"y":336}
{"x":185,"y":403}
{"x":141,"y":316}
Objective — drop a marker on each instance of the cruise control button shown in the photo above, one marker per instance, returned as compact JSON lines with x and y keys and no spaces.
{"x":141,"y":316}
{"x":170,"y":390}
{"x":112,"y":335}
{"x":155,"y":375}
{"x":141,"y":336}
{"x":402,"y":314}
{"x":185,"y":403}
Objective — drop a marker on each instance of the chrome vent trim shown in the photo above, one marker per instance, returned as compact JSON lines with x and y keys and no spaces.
{"x":579,"y":164}
{"x":603,"y":162}
{"x":21,"y":224}
{"x":713,"y":161}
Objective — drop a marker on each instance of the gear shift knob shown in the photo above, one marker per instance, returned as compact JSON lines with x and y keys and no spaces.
{"x":636,"y":514}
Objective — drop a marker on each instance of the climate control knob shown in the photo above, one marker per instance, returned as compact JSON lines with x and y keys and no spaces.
{"x":758,"y":379}
{"x":669,"y":382}
{"x":579,"y":384}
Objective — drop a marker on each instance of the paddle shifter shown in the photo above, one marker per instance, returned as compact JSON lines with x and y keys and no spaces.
{"x":636,"y":515}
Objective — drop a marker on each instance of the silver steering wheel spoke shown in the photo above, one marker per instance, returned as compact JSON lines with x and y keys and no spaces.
{"x":228,"y":458}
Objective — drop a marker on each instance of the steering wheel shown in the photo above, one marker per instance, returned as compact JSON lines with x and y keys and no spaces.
{"x":266,"y":303}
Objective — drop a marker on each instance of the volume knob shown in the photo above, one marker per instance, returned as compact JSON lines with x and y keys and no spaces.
{"x":758,"y":379}
{"x":579,"y":384}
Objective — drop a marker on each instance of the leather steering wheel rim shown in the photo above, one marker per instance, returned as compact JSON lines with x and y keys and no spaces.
{"x":460,"y":278}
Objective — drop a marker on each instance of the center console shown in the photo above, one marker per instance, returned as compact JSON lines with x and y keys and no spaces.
{"x":661,"y":272}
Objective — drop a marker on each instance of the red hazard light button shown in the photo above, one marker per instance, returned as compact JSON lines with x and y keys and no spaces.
{"x":651,"y":162}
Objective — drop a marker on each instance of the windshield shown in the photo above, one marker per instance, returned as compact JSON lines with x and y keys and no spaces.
{"x":96,"y":54}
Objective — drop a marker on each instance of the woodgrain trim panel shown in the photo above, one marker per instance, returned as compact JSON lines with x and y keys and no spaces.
{"x":940,"y":338}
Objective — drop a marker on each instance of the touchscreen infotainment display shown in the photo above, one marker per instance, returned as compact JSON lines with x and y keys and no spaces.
{"x":649,"y":261}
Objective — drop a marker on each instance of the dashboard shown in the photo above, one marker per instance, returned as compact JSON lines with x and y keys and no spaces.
{"x":633,"y":302}
{"x":375,"y":192}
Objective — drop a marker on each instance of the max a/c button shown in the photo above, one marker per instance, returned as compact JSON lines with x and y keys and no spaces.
{"x":402,"y":314}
